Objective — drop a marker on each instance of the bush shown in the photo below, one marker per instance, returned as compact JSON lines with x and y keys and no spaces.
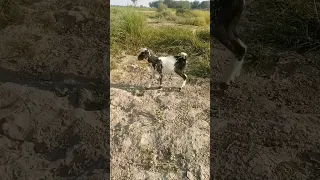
{"x":183,"y":12}
{"x":167,"y":15}
{"x":193,"y":17}
{"x":162,"y":7}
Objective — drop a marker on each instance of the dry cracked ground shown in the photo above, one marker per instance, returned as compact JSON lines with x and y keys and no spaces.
{"x":53,"y":109}
{"x":158,"y":134}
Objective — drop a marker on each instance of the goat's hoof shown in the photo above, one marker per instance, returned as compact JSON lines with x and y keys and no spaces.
{"x":160,"y":88}
{"x":224,"y":86}
{"x":179,"y":89}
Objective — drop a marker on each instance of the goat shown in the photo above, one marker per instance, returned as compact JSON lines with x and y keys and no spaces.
{"x":165,"y":65}
{"x":224,"y":17}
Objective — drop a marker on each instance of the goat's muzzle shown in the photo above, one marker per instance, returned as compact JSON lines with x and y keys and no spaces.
{"x":140,"y":57}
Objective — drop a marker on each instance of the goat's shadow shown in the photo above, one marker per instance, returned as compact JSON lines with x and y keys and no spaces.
{"x":139,"y":90}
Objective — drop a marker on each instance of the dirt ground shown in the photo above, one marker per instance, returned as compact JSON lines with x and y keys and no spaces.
{"x":158,"y":134}
{"x":266,"y":126}
{"x":53,"y":107}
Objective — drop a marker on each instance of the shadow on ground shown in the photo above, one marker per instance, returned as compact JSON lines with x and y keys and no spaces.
{"x":63,"y":85}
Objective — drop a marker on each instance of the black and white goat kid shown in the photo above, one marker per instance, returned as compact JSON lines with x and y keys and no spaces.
{"x":165,"y":65}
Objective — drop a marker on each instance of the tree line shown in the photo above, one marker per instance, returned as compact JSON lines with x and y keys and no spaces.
{"x":181,"y":4}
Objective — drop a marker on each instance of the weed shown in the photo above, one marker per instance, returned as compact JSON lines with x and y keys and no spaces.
{"x":10,"y":13}
{"x":291,"y":24}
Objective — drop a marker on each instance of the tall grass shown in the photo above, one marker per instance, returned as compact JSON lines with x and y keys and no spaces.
{"x":130,"y":32}
{"x":126,"y":28}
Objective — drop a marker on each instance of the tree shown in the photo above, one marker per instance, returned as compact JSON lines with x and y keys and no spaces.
{"x":169,"y":3}
{"x":195,"y":5}
{"x":205,"y":5}
{"x":134,"y":2}
{"x":182,"y":4}
{"x":162,"y":7}
{"x":154,"y":4}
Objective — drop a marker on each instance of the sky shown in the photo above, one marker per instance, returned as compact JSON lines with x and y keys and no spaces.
{"x":129,"y":2}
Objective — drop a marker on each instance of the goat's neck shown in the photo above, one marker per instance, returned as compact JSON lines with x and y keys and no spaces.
{"x":152,"y":59}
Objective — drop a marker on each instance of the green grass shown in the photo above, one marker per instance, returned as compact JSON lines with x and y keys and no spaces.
{"x":130,"y":32}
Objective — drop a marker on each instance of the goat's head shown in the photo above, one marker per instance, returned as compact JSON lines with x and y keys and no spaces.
{"x":144,"y":54}
{"x":183,"y":54}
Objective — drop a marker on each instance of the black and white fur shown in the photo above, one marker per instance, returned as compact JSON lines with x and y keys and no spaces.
{"x":224,"y":17}
{"x":165,"y":65}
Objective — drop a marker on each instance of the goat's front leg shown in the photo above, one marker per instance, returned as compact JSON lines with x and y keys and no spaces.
{"x":160,"y":81}
{"x":151,"y":76}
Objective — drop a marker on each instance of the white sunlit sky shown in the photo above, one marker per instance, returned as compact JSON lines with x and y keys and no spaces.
{"x":139,"y":2}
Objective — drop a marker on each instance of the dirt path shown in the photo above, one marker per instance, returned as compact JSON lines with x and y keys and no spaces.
{"x":157,"y":134}
{"x":267,"y":125}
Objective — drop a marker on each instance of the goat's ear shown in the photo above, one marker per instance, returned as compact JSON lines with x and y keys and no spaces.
{"x":143,"y":50}
{"x":183,"y":54}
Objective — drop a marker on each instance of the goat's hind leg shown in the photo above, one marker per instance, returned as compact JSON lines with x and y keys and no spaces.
{"x":241,"y":50}
{"x":159,"y":68}
{"x":184,"y":77}
{"x":224,"y":30}
{"x":229,"y":38}
{"x":221,"y":34}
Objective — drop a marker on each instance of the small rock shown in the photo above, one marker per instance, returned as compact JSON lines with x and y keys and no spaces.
{"x":68,"y":6}
{"x":62,"y":91}
{"x":41,"y":147}
{"x":190,"y":175}
{"x":77,"y":15}
{"x":69,"y":20}
{"x":287,"y":128}
{"x":146,"y":140}
{"x":139,"y":93}
{"x":314,"y":156}
{"x":85,"y":98}
{"x":18,"y":127}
